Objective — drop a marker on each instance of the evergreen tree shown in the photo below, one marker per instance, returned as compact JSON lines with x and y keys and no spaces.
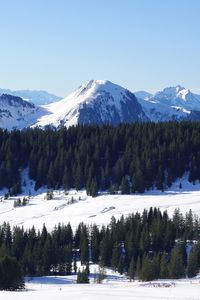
{"x":121,"y":264}
{"x":125,"y":188}
{"x":164,"y":272}
{"x":176,"y":266}
{"x":95,"y":244}
{"x":194,"y":261}
{"x":131,"y":270}
{"x":82,"y":276}
{"x":10,"y":274}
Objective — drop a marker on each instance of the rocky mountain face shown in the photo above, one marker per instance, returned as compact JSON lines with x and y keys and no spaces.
{"x":97,"y":102}
{"x":101,"y":102}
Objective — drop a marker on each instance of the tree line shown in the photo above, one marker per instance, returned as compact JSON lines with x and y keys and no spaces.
{"x":145,"y":246}
{"x":129,"y":157}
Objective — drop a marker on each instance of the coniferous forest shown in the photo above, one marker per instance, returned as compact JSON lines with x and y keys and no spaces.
{"x":129,"y":157}
{"x":146,"y":246}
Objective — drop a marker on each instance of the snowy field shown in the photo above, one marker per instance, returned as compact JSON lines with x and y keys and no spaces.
{"x":76,"y":207}
{"x":113,"y":288}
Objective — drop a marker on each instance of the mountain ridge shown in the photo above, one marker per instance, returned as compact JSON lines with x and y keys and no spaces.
{"x":101,"y":102}
{"x":38,"y":97}
{"x":96,"y":102}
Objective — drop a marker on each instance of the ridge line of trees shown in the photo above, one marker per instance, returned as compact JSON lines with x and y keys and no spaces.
{"x":146,"y":246}
{"x":129,"y":157}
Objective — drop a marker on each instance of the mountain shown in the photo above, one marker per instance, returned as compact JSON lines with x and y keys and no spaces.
{"x":36,"y":97}
{"x":100,"y":102}
{"x":97,"y":102}
{"x":172,"y":103}
{"x":143,"y":95}
{"x":17,"y":113}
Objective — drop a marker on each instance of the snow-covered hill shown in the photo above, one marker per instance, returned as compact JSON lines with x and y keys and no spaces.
{"x":97,"y":102}
{"x":76,"y":206}
{"x":36,"y":97}
{"x":172,"y":103}
{"x":17,"y":113}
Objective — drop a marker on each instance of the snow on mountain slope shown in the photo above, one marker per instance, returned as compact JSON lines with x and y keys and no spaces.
{"x":143,"y":95}
{"x":178,"y":96}
{"x":158,"y":112}
{"x":36,"y":97}
{"x":17,"y":113}
{"x":172,"y":103}
{"x":97,"y":102}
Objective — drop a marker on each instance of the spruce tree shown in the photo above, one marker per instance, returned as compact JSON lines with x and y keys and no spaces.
{"x":164,"y":272}
{"x":10,"y":274}
{"x":194,"y":261}
{"x":131,"y":270}
{"x":176,"y":266}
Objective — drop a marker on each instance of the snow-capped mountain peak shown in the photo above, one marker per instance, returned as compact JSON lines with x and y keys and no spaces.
{"x":170,"y":92}
{"x":172,"y":103}
{"x":179,"y":96}
{"x":96,"y":102}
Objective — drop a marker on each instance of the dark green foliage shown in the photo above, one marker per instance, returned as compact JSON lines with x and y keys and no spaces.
{"x":130,"y":157}
{"x":150,"y":268}
{"x":194,"y":261}
{"x":95,"y":243}
{"x":176,"y":266}
{"x":11,"y":277}
{"x":82,"y":276}
{"x":121,"y":264}
{"x":131,"y":270}
{"x":125,"y":187}
{"x":145,"y":246}
{"x":164,"y":272}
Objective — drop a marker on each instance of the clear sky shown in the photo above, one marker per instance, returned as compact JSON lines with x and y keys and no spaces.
{"x":56,"y":45}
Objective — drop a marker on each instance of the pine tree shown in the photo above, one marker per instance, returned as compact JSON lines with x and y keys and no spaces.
{"x":131,"y":270}
{"x":82,"y":276}
{"x":138,"y":267}
{"x":125,"y":188}
{"x":194,"y":261}
{"x":95,"y":244}
{"x":121,"y":264}
{"x":164,"y":272}
{"x":176,"y":266}
{"x":115,"y":256}
{"x":10,"y":274}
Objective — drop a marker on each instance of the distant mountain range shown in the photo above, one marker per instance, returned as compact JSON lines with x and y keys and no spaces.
{"x":36,"y":97}
{"x":173,"y":103}
{"x":97,"y":102}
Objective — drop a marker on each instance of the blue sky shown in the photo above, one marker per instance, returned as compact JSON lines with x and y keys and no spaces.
{"x":56,"y":45}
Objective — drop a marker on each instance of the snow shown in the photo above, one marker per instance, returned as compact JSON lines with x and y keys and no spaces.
{"x":18,"y":113}
{"x":172,"y":103}
{"x":66,"y":111}
{"x":113,"y":287}
{"x":98,"y":210}
{"x":169,"y":104}
{"x":76,"y":206}
{"x":34,"y":96}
